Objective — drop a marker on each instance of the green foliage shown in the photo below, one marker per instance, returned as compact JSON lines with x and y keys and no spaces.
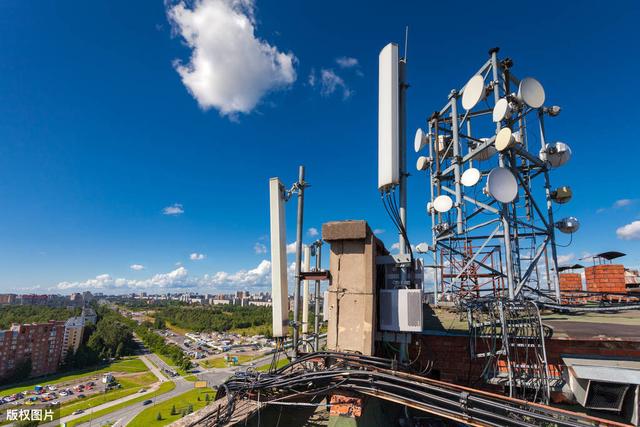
{"x":159,"y":417}
{"x":217,"y":318}
{"x":173,"y":410}
{"x":33,"y":313}
{"x":109,"y":335}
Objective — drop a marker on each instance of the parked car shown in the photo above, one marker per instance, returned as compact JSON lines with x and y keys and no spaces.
{"x":142,"y":390}
{"x":78,"y":412}
{"x":64,"y":393}
{"x":81,"y":396}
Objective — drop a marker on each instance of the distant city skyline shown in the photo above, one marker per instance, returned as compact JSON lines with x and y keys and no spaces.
{"x":134,"y":160}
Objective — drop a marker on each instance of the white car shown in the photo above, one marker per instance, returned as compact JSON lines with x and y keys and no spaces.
{"x":52,"y":388}
{"x":63,"y":393}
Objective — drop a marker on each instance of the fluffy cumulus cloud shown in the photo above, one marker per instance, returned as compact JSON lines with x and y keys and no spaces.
{"x":177,"y":278}
{"x":346,"y":62}
{"x":230,"y":68}
{"x":630,"y":231}
{"x":197,"y":256}
{"x":565,"y":259}
{"x":136,"y":267}
{"x":291,"y":248}
{"x":260,"y":248}
{"x":313,"y":232}
{"x":173,"y":210}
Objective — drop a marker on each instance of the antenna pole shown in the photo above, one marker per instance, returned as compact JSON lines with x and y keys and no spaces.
{"x":296,"y":291}
{"x":403,"y":148}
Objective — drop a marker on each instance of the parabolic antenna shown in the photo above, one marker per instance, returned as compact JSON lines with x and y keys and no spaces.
{"x":423,"y":163}
{"x":504,"y":139}
{"x":568,"y":225}
{"x":473,"y":92}
{"x":502,"y":185}
{"x":422,"y":248}
{"x":556,"y":154}
{"x":442,"y":203}
{"x":470,"y":177}
{"x":502,"y":110}
{"x":420,"y":140}
{"x":487,"y":152}
{"x":531,"y":92}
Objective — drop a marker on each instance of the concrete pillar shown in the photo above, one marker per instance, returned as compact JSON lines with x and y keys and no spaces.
{"x":352,"y":293}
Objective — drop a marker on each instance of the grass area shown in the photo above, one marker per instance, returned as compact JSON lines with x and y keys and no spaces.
{"x":125,"y":365}
{"x":280,"y":364}
{"x":130,"y":385}
{"x":149,"y":417}
{"x":165,"y":387}
{"x":191,"y":378}
{"x":176,"y":329}
{"x":171,"y":364}
{"x":219,"y":362}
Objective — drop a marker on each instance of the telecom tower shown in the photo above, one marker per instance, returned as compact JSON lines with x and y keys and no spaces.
{"x":492,"y":202}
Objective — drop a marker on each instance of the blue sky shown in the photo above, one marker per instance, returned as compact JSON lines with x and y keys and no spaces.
{"x":103,"y":126}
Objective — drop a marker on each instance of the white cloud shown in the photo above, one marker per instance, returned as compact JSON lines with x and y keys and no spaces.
{"x":197,"y":257}
{"x":330,"y":82}
{"x":291,"y":248}
{"x":313,"y":232}
{"x":175,"y":209}
{"x":346,"y":62}
{"x":136,"y":267}
{"x":174,"y":279}
{"x":259,"y":276}
{"x":260,"y":248}
{"x":378,"y":231}
{"x":630,"y":231}
{"x":230,"y":69}
{"x":565,"y":259}
{"x":619,"y":204}
{"x":623,"y":203}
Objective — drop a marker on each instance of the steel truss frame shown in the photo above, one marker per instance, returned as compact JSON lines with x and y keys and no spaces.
{"x":520,"y":233}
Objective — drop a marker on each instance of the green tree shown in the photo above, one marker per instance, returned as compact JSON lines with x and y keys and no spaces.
{"x":159,"y":417}
{"x":173,"y":410}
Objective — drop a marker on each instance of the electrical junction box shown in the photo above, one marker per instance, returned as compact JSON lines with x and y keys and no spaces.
{"x":401,"y":310}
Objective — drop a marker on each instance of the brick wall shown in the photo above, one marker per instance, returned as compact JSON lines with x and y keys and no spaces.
{"x":452,"y":361}
{"x":570,"y":281}
{"x":605,"y":278}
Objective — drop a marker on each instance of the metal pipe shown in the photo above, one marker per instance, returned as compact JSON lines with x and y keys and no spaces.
{"x":403,"y":151}
{"x":456,"y":159}
{"x":316,"y":320}
{"x":296,"y":292}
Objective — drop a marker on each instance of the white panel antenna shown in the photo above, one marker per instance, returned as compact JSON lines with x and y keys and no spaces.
{"x":279,"y":285}
{"x":388,"y":118}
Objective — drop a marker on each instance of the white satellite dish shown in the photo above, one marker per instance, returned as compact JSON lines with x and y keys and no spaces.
{"x":556,"y":154}
{"x":422,"y":248}
{"x":502,"y":185}
{"x":442,"y":203}
{"x":502,"y":110}
{"x":423,"y":163}
{"x":470,"y":177}
{"x":504,"y":139}
{"x":531,"y":92}
{"x":473,"y":92}
{"x":420,"y":140}
{"x":487,"y":152}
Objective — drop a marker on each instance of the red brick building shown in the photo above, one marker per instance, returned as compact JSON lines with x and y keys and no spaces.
{"x":41,"y":342}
